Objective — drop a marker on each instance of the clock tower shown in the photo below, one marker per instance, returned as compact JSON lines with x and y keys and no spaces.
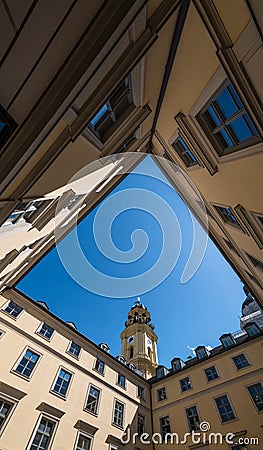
{"x":139,"y":340}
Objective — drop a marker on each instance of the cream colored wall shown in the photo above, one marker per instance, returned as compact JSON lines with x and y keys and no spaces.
{"x":231,"y":381}
{"x":18,"y":335}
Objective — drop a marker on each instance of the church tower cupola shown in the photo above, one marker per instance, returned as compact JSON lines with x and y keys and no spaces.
{"x":139,"y":340}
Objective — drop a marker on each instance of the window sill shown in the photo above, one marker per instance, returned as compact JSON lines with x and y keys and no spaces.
{"x":43,"y":337}
{"x":123,"y":387}
{"x":97,"y":371}
{"x":10,"y":315}
{"x":73,"y":356}
{"x":90,"y":412}
{"x":62,"y":397}
{"x":24,"y":377}
{"x":117,"y":426}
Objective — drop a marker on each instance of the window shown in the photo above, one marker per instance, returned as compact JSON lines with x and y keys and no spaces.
{"x":185,"y":384}
{"x":227,"y":215}
{"x":184,"y":152}
{"x":92,"y":404}
{"x":104,"y":347}
{"x":7,"y":126}
{"x":193,"y":418}
{"x":99,"y":366}
{"x":211,"y":373}
{"x":177,"y":364}
{"x":27,"y":363}
{"x":5,"y":411}
{"x":43,"y":434}
{"x":241,"y":361}
{"x":141,"y":392}
{"x":131,"y":352}
{"x":13,"y":309}
{"x":74,"y":349}
{"x":227,"y":340}
{"x":46,"y":331}
{"x":165,"y":426}
{"x":26,"y":211}
{"x":62,"y":383}
{"x":118,"y":413}
{"x":130,"y":139}
{"x":224,"y":408}
{"x":2,"y":333}
{"x":252,"y":329}
{"x":226,"y":122}
{"x":258,"y":264}
{"x":116,"y":108}
{"x":121,"y":380}
{"x":256,"y":392}
{"x":201,"y":352}
{"x":84,"y":442}
{"x":231,"y":246}
{"x":140,"y":424}
{"x":161,"y":394}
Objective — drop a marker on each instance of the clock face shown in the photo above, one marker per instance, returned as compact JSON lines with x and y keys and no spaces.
{"x":149,"y":342}
{"x":130,"y":339}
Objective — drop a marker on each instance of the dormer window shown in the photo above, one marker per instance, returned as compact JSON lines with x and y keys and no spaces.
{"x":177,"y":364}
{"x":121,"y":359}
{"x":104,"y":347}
{"x":252,"y":329}
{"x":202,"y":352}
{"x":227,"y":340}
{"x":161,"y":371}
{"x":131,"y":366}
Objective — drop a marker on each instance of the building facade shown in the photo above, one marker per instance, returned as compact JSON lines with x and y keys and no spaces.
{"x":178,"y":79}
{"x":59,"y":390}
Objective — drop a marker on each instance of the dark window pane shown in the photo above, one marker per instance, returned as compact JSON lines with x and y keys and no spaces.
{"x":226,"y":104}
{"x":241,"y":129}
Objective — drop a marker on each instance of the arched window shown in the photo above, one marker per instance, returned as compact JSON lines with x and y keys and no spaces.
{"x":131,"y":352}
{"x":149,"y":352}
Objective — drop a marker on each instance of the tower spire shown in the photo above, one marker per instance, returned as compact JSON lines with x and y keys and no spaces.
{"x":139,"y":340}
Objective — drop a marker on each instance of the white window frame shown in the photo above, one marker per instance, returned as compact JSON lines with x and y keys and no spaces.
{"x":51,"y":419}
{"x":143,"y":391}
{"x":42,"y":335}
{"x":72,"y":354}
{"x":157,"y":395}
{"x":94,"y":366}
{"x":52,"y":391}
{"x":120,"y":374}
{"x":7,"y":313}
{"x":14,"y":371}
{"x":231,"y":404}
{"x":85,"y":435}
{"x":2,"y":333}
{"x":121,"y":427}
{"x":13,"y":402}
{"x":218,"y":79}
{"x":96,"y":413}
{"x":187,"y":417}
{"x":241,"y":368}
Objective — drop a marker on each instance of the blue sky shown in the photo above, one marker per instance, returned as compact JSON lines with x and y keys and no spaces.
{"x":185,"y":315}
